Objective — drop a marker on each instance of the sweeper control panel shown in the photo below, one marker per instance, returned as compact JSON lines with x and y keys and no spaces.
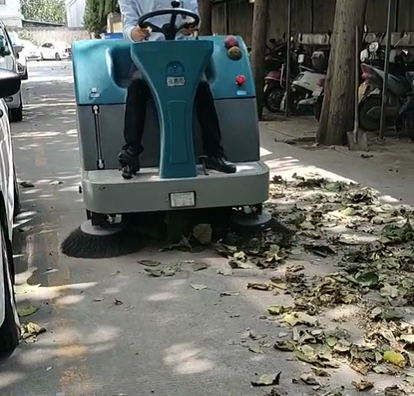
{"x":228,"y":70}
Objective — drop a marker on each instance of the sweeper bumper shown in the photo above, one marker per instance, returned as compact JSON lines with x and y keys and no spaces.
{"x":104,"y":191}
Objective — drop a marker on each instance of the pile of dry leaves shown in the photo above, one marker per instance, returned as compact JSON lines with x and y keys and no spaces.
{"x":370,"y":245}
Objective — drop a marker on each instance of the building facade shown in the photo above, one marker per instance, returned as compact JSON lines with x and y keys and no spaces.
{"x":75,"y":10}
{"x":10,"y":13}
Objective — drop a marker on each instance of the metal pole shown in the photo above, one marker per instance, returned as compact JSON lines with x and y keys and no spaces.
{"x":288,"y":59}
{"x":386,"y":70}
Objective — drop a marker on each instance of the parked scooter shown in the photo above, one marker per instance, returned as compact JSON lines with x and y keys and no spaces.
{"x":398,"y":88}
{"x":275,"y":80}
{"x":301,"y":98}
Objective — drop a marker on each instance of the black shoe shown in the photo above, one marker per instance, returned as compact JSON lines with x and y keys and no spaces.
{"x":129,"y":163}
{"x":220,"y":164}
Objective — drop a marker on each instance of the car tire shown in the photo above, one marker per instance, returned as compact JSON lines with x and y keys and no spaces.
{"x":57,"y":57}
{"x":16,"y":115}
{"x":10,"y":328}
{"x":25,"y":75}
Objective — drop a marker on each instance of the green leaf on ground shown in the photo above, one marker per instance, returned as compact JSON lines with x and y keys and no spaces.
{"x":26,"y":311}
{"x":267,"y":380}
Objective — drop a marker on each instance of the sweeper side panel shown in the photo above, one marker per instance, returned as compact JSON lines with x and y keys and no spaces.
{"x":102,"y":72}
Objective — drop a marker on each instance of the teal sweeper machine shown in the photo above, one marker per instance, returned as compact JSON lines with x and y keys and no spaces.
{"x":172,"y":181}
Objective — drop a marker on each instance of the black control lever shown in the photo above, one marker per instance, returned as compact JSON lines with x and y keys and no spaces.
{"x":202,"y":159}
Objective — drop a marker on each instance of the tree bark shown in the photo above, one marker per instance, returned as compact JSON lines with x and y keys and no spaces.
{"x":338,"y":106}
{"x":258,"y":49}
{"x":205,"y":9}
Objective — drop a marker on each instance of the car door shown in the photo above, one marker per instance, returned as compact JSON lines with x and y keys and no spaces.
{"x":46,"y":50}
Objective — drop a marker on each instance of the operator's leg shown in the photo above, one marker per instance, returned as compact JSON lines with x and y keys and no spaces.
{"x":136,"y":107}
{"x":210,"y":128}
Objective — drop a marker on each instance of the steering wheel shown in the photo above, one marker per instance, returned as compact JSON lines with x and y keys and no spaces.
{"x":169,"y":30}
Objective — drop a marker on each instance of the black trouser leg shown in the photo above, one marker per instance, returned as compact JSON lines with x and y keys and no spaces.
{"x":208,"y":120}
{"x":136,"y":109}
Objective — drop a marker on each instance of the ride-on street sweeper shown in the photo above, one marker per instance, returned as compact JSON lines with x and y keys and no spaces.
{"x":173,"y":180}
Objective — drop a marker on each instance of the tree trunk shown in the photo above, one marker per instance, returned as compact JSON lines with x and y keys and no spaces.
{"x":205,"y":13}
{"x":338,"y":106}
{"x":258,"y":49}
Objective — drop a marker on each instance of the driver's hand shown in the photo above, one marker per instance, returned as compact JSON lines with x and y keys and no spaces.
{"x":140,"y":34}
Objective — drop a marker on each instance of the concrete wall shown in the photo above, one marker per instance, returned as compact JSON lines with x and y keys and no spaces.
{"x":308,"y":16}
{"x":75,"y":10}
{"x":10,"y":12}
{"x":40,"y":35}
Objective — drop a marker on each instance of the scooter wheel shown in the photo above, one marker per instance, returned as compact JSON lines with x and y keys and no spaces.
{"x":366,"y":122}
{"x":273,"y":98}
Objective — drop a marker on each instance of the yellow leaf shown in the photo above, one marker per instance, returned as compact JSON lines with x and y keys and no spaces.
{"x":395,"y":358}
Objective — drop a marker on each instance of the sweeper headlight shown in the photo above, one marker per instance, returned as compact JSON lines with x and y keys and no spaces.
{"x":373,"y":47}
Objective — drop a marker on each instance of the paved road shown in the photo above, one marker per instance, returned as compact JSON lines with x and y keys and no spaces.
{"x":165,"y":339}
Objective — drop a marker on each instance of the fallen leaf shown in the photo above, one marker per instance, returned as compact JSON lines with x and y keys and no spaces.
{"x":149,"y":263}
{"x":389,"y":291}
{"x":48,"y":369}
{"x":55,"y":182}
{"x":98,"y":299}
{"x":128,"y":308}
{"x":320,"y":250}
{"x":277,"y":392}
{"x":363,"y":384}
{"x":196,"y":286}
{"x":259,"y":286}
{"x":31,"y":329}
{"x":394,"y":390}
{"x":277,"y":310}
{"x":408,"y":338}
{"x":27,"y":184}
{"x":286,"y":346}
{"x":368,"y":279}
{"x":118,"y":302}
{"x":395,"y":358}
{"x":267,"y":380}
{"x":203,"y":233}
{"x":309,"y":379}
{"x":199,"y":266}
{"x":296,"y":318}
{"x":320,"y":373}
{"x":229,"y":293}
{"x":164,"y":270}
{"x":255,"y":349}
{"x":295,"y":268}
{"x":239,"y":264}
{"x":225,"y":271}
{"x":26,"y":311}
{"x":376,"y":312}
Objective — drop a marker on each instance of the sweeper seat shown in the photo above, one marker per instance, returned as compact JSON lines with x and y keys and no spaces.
{"x":172,"y":176}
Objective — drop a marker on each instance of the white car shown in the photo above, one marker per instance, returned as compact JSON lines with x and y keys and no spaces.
{"x":9,"y":206}
{"x":8,"y":61}
{"x":56,"y":50}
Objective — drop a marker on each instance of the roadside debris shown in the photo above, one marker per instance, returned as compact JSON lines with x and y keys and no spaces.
{"x":30,"y":331}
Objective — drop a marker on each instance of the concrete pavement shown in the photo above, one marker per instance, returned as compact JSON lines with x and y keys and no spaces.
{"x":165,"y":338}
